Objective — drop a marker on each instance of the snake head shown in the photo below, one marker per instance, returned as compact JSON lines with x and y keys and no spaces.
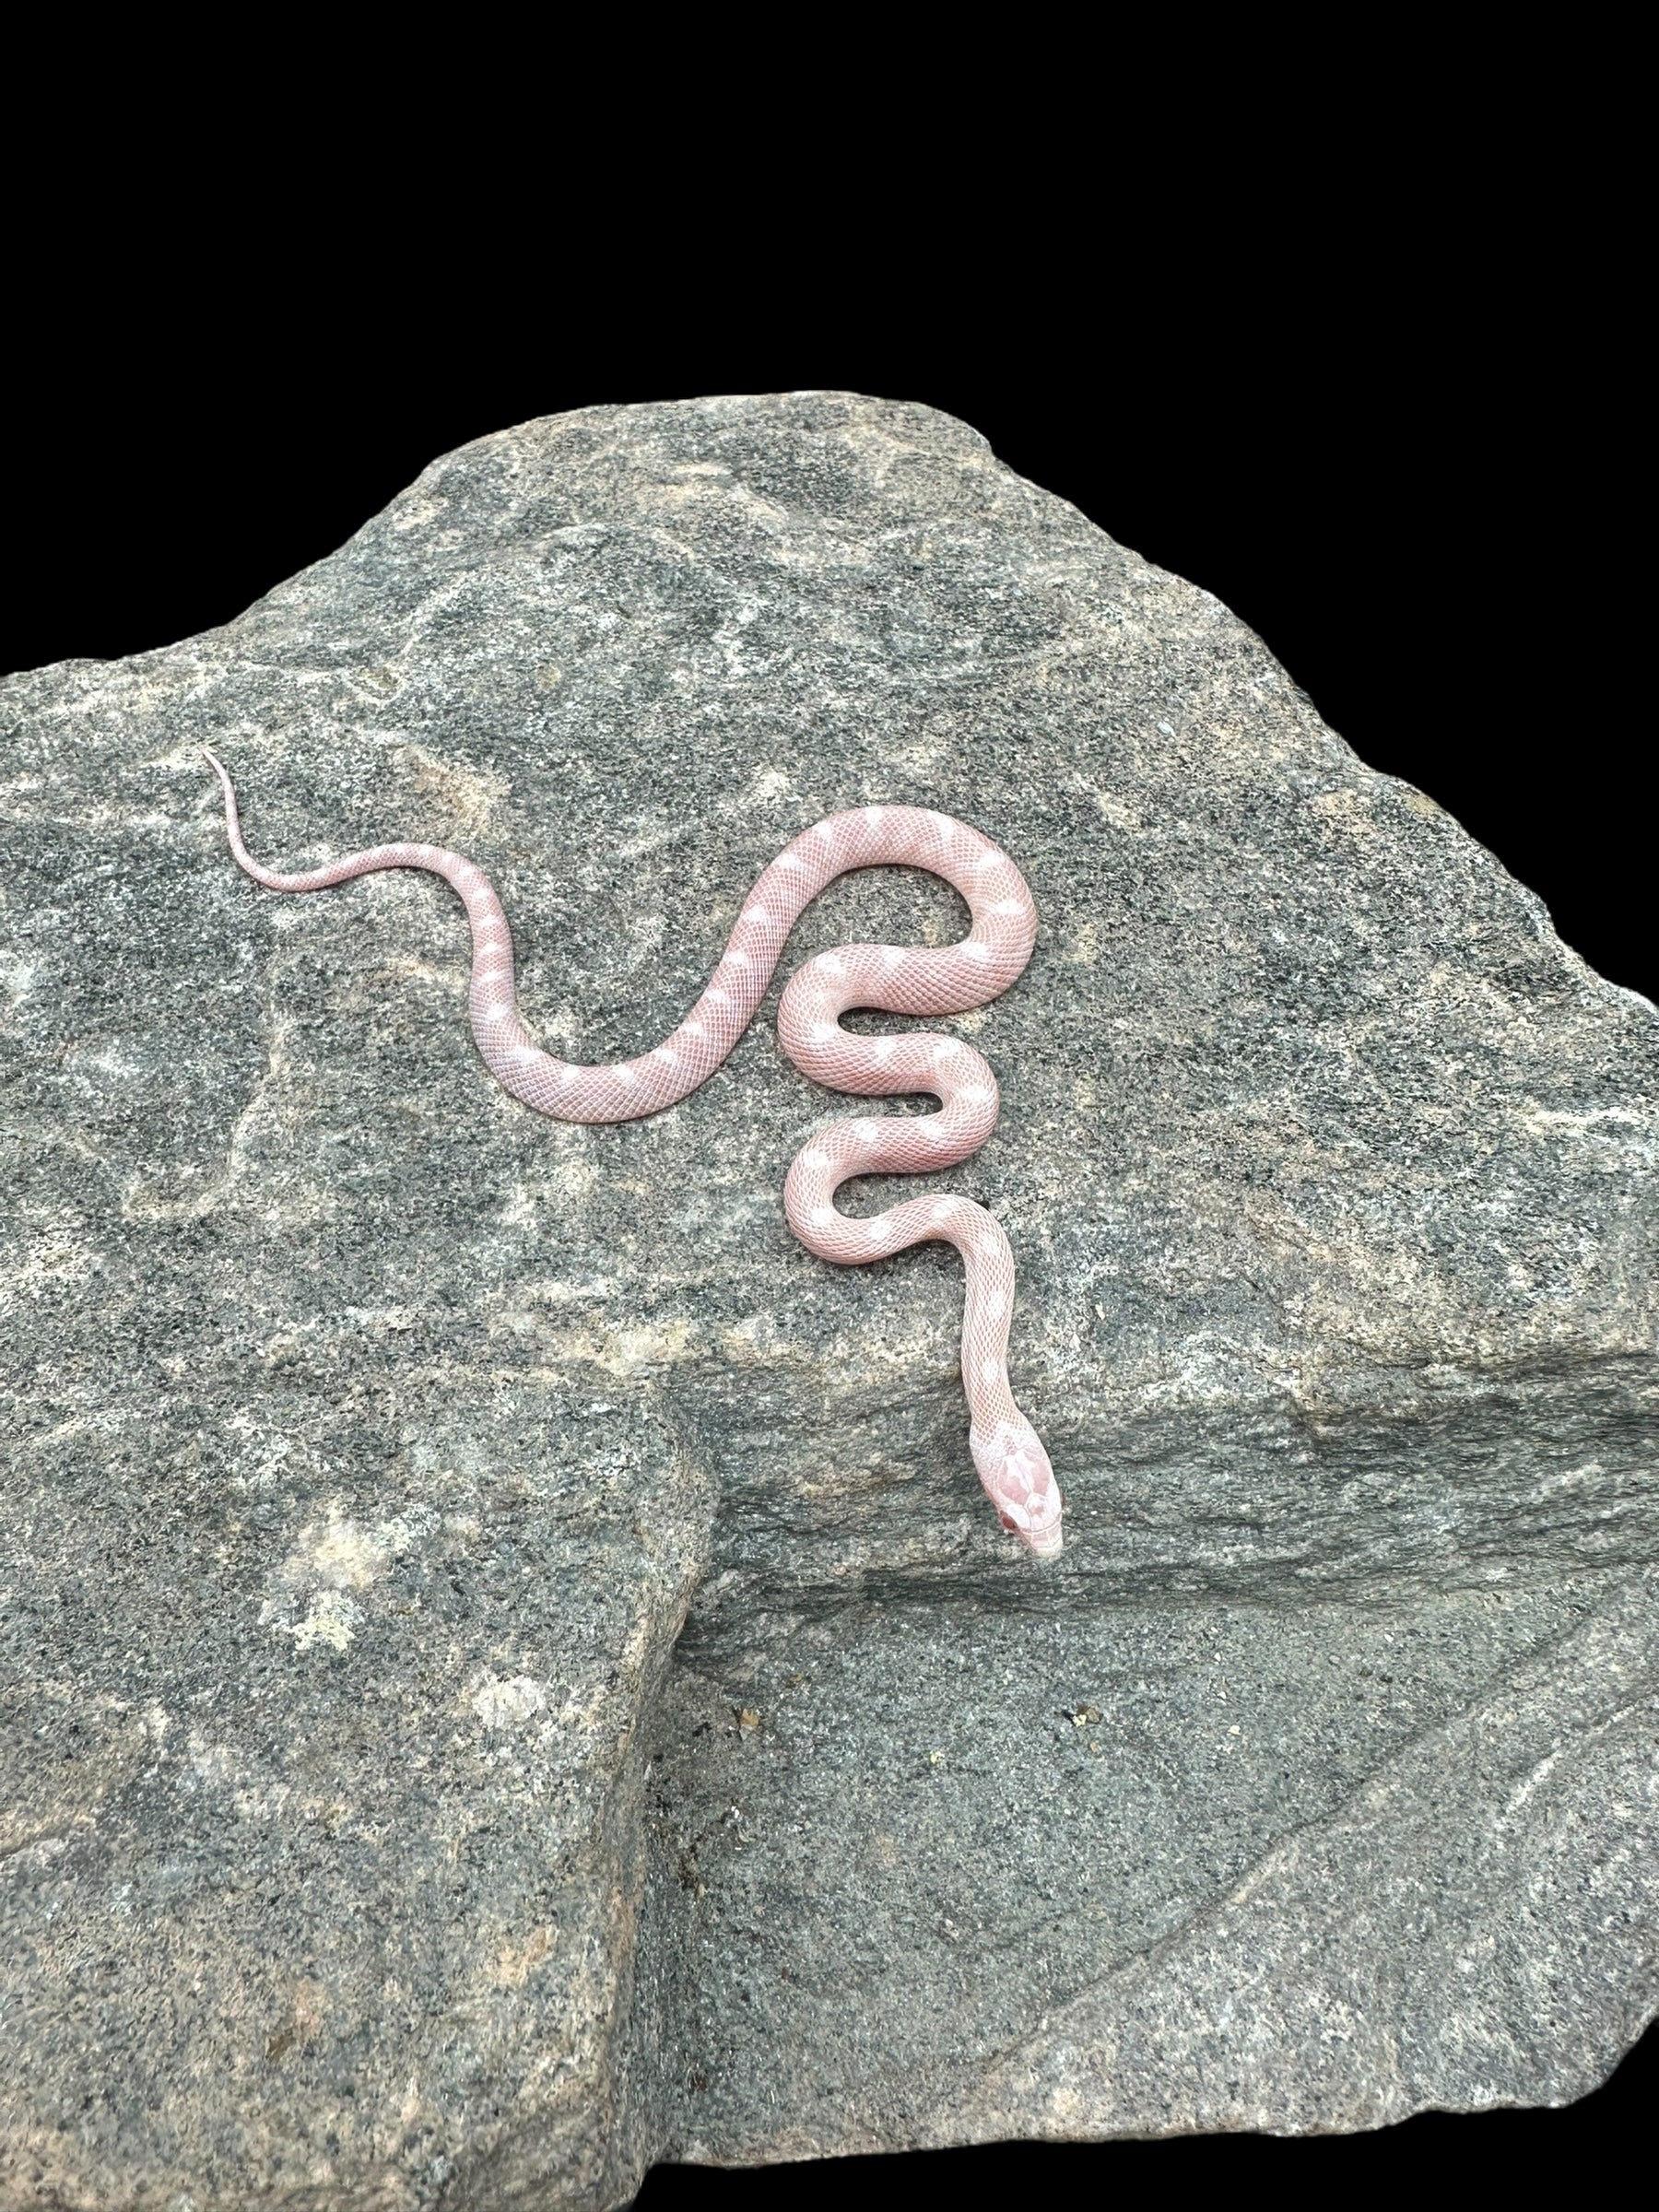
{"x":1020,"y":1484}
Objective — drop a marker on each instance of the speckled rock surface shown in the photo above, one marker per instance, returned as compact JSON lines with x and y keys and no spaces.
{"x":507,"y":1672}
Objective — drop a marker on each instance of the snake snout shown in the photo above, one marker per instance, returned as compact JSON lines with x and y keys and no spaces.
{"x":1047,"y":1543}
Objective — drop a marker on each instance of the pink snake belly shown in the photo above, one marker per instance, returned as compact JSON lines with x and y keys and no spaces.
{"x":1011,"y":1461}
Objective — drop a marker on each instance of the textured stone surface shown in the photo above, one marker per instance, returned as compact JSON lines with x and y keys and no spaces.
{"x":509,"y":1674}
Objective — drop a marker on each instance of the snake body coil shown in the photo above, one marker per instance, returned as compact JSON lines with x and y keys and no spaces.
{"x":1011,"y":1461}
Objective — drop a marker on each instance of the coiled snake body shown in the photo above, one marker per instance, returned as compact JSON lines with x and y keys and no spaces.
{"x":1011,"y":1461}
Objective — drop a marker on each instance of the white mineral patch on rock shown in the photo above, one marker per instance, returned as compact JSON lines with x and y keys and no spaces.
{"x":504,"y":1705}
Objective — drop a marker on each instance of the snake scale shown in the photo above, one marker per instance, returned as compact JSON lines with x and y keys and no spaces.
{"x":1011,"y":1461}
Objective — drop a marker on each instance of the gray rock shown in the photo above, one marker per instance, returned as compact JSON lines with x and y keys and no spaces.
{"x":510,"y":1674}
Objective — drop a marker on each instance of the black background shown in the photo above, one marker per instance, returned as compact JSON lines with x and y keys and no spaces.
{"x":1402,"y":463}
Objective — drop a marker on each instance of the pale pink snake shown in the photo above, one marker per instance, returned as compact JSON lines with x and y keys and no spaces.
{"x":1012,"y":1463}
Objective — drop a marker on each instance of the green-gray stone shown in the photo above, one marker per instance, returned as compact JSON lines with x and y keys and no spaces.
{"x":509,"y":1672}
